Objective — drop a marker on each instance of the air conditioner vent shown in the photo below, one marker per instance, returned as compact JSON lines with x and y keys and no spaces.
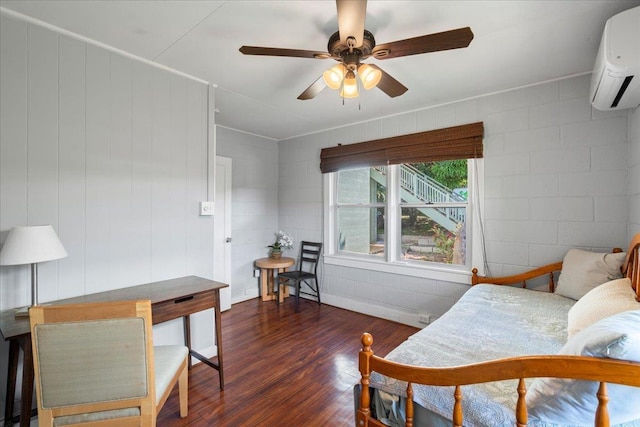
{"x":623,"y":88}
{"x":613,"y":86}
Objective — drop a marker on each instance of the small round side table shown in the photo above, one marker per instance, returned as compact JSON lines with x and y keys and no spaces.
{"x":268,"y":268}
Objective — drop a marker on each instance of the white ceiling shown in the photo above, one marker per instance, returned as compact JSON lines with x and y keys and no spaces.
{"x":516,"y":43}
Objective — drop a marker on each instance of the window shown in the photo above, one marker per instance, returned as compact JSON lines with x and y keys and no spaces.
{"x":360,"y":211}
{"x":410,"y":218}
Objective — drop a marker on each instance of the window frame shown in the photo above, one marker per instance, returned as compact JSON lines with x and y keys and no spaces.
{"x":392,"y":262}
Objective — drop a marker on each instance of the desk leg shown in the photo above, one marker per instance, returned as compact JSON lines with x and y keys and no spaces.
{"x":27,"y":384}
{"x":14,"y":352}
{"x":218,"y":321}
{"x":186,"y":323}
{"x":187,"y":341}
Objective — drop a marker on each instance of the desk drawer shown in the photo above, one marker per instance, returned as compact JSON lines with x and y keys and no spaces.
{"x":188,"y":304}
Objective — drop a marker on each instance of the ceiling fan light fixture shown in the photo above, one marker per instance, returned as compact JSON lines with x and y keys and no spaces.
{"x":333,"y":76}
{"x":353,"y":43}
{"x":349,"y":86}
{"x":369,"y":75}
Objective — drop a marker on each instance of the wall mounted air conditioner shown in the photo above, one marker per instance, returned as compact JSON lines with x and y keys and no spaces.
{"x":615,"y":82}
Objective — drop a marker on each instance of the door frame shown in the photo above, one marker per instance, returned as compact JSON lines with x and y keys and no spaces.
{"x":221,"y":235}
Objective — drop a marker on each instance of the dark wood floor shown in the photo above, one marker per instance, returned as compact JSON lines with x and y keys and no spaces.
{"x":283,"y":368}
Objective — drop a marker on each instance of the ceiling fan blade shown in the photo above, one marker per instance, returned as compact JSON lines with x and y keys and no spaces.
{"x":351,"y":17}
{"x":315,"y":88}
{"x":453,"y":39}
{"x":389,"y":85}
{"x":274,"y":51}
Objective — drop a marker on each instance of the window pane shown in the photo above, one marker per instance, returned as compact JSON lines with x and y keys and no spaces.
{"x":361,"y":230}
{"x":365,"y":185}
{"x":434,"y":182}
{"x":433,"y":234}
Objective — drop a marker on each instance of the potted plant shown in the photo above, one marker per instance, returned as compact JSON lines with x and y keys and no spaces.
{"x":283,"y":241}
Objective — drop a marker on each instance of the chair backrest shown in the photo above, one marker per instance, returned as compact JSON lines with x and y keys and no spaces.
{"x":94,"y":362}
{"x":309,"y":256}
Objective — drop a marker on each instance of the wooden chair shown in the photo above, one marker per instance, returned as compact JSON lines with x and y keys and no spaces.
{"x":95,"y":364}
{"x":306,"y":273}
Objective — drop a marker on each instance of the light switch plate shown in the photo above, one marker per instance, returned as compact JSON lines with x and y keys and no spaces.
{"x":206,"y":208}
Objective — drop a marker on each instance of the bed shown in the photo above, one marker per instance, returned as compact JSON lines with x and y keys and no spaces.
{"x":507,"y":355}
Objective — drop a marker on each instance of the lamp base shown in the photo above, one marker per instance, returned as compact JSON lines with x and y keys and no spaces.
{"x":22,"y":312}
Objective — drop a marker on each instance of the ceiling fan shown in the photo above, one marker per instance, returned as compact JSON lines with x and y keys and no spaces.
{"x":352,"y":43}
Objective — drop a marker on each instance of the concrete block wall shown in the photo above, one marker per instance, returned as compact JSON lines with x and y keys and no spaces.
{"x":556,"y":176}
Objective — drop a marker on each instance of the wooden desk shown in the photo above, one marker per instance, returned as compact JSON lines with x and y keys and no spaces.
{"x":170,"y":299}
{"x":268,"y":267}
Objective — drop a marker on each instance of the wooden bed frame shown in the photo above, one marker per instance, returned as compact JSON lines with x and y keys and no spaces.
{"x":570,"y":367}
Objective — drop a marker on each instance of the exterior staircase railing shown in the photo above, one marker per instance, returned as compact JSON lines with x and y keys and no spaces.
{"x":427,"y":190}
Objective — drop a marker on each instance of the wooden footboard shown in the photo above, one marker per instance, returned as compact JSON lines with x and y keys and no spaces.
{"x":570,"y":367}
{"x":600,"y":370}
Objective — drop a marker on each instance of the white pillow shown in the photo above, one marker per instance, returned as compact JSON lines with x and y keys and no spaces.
{"x":574,"y":402}
{"x":602,"y":301}
{"x":583,"y":271}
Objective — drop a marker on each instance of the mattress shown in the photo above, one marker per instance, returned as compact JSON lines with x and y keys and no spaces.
{"x":489,"y":322}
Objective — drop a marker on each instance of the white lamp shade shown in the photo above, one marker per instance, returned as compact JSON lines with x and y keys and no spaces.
{"x":29,"y":245}
{"x":350,"y":86}
{"x":369,"y":75}
{"x":333,"y":76}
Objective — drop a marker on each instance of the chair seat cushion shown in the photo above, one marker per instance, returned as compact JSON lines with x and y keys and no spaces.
{"x":167,"y":359}
{"x":95,"y":417}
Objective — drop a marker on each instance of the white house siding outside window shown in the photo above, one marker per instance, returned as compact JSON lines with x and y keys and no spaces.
{"x":403,"y":218}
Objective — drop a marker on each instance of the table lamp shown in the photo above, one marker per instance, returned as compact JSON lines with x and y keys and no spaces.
{"x":31,"y":245}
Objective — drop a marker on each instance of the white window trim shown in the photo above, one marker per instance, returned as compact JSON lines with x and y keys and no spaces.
{"x":391,"y":263}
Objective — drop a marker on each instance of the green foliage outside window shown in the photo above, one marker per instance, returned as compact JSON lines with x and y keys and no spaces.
{"x":450,"y":173}
{"x":444,"y":241}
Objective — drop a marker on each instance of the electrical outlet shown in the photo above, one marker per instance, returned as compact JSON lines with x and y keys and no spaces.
{"x":206,"y":208}
{"x":424,"y":318}
{"x":256,"y":272}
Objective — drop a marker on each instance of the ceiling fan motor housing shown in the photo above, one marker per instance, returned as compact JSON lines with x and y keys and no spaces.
{"x":338,"y":50}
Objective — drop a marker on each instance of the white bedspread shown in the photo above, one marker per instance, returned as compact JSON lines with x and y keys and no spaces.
{"x":488,"y":322}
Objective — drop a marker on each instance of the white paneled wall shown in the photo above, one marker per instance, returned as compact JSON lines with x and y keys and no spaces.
{"x":634,"y":173}
{"x":254,"y":204}
{"x":113,"y":153}
{"x":556,"y":176}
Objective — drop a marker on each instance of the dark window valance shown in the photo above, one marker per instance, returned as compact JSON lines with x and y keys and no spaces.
{"x":458,"y":142}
